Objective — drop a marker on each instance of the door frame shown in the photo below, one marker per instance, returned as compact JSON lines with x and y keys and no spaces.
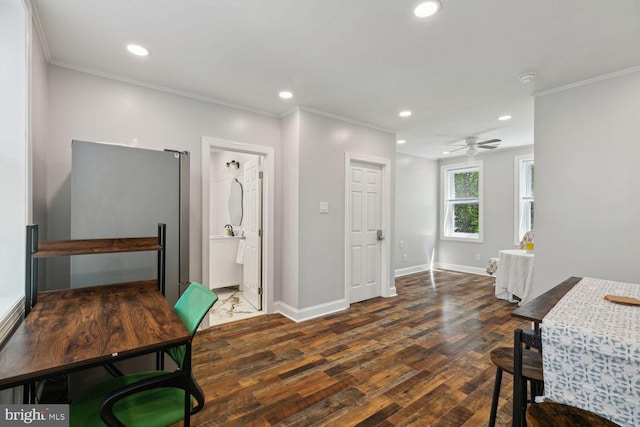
{"x":268,"y":203}
{"x":386,"y":288}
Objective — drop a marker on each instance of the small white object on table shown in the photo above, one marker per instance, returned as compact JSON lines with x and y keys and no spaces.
{"x":591,"y":351}
{"x":514,"y":275}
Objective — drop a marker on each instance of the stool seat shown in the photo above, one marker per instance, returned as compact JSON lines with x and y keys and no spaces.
{"x":502,"y":357}
{"x":531,"y":362}
{"x":552,"y":414}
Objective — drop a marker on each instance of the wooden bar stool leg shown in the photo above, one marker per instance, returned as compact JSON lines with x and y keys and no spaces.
{"x":496,"y":396}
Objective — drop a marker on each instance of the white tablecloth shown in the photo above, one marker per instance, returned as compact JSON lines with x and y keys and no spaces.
{"x":591,"y":351}
{"x":514,"y":275}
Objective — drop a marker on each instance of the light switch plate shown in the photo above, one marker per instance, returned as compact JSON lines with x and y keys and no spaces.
{"x":324,"y":207}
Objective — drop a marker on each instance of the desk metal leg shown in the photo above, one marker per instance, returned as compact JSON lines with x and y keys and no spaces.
{"x":187,"y":378}
{"x":29,"y":393}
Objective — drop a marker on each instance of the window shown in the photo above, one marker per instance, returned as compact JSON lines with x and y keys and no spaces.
{"x":524,"y":171}
{"x":13,"y":157}
{"x":462,"y":202}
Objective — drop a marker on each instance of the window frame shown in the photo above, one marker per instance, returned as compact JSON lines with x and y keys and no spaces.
{"x":445,"y":203}
{"x":522,"y":181}
{"x":16,"y":152}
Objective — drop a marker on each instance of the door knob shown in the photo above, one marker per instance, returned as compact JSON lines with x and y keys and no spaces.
{"x":379,"y":234}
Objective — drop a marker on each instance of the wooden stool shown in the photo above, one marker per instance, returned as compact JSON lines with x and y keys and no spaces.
{"x":502,"y":357}
{"x":552,"y":414}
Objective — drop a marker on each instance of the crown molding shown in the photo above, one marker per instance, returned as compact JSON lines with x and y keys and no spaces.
{"x":344,"y":119}
{"x":290,"y":111}
{"x":588,"y":81}
{"x":37,"y":22}
{"x":160,"y":88}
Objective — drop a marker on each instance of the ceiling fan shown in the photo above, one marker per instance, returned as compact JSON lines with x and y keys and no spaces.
{"x":472,"y":144}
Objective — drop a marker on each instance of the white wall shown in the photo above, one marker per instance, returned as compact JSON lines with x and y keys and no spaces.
{"x":288,"y":292}
{"x":323,"y":143}
{"x":39,"y":135}
{"x":416,"y":212}
{"x":92,"y":108}
{"x":587,"y":205}
{"x":498,"y":211}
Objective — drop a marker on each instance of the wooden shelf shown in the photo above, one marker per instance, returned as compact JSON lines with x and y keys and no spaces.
{"x":73,"y":305}
{"x":53,"y":248}
{"x":50,"y":248}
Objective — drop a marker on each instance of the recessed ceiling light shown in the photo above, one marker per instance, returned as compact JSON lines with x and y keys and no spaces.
{"x":505,"y":117}
{"x":426,"y":9}
{"x":445,"y":152}
{"x":137,"y":50}
{"x":401,"y":141}
{"x":405,"y":113}
{"x":285,"y":94}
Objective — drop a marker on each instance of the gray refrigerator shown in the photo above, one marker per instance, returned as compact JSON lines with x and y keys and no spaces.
{"x":120,"y":191}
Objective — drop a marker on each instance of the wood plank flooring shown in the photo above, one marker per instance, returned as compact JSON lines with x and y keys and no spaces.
{"x":418,"y":359}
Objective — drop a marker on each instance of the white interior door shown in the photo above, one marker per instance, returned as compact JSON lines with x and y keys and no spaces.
{"x":366,"y":219}
{"x":252,"y":226}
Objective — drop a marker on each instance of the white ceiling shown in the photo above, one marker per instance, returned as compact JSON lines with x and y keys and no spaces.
{"x":364,"y":60}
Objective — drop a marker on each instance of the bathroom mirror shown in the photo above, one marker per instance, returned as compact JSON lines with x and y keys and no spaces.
{"x":235,"y":202}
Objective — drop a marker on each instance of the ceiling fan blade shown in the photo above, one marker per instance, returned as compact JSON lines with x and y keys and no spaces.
{"x":458,"y":149}
{"x":488,"y":147}
{"x":490,"y":141}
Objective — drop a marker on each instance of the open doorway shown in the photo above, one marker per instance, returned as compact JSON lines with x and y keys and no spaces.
{"x":237,"y":224}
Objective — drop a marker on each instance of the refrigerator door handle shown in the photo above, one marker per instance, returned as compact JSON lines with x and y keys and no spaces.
{"x":185,"y":170}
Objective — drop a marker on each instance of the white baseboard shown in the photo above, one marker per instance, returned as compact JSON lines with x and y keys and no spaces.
{"x":300,"y":315}
{"x":410,"y":270}
{"x":461,"y":268}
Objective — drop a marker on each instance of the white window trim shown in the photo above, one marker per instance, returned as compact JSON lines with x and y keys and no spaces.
{"x":11,"y":319}
{"x":518,"y":188}
{"x":12,"y":298}
{"x":461,"y":237}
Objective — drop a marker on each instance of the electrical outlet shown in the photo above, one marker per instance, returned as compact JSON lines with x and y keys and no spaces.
{"x":404,"y":258}
{"x":477,"y":257}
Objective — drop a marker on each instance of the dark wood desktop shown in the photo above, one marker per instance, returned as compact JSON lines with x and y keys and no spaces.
{"x":73,"y":329}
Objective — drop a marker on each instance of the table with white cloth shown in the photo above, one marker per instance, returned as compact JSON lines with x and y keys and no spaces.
{"x":514,"y":275}
{"x":591,"y":351}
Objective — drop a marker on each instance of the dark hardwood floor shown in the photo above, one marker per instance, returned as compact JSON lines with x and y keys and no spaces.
{"x":418,"y":359}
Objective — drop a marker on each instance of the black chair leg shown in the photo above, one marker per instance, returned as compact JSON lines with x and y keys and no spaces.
{"x":198,"y":394}
{"x":496,"y":396}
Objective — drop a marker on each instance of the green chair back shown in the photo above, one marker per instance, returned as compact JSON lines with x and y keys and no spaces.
{"x":191,"y":308}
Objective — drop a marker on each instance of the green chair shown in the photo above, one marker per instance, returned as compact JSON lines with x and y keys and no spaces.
{"x":154,"y":398}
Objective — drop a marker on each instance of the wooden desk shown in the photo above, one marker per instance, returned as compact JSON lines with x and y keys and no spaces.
{"x":537,"y":308}
{"x":73,"y":329}
{"x":534,"y":311}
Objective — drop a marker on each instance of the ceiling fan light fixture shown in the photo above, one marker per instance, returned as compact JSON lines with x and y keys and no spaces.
{"x":472,"y":151}
{"x":427,"y":8}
